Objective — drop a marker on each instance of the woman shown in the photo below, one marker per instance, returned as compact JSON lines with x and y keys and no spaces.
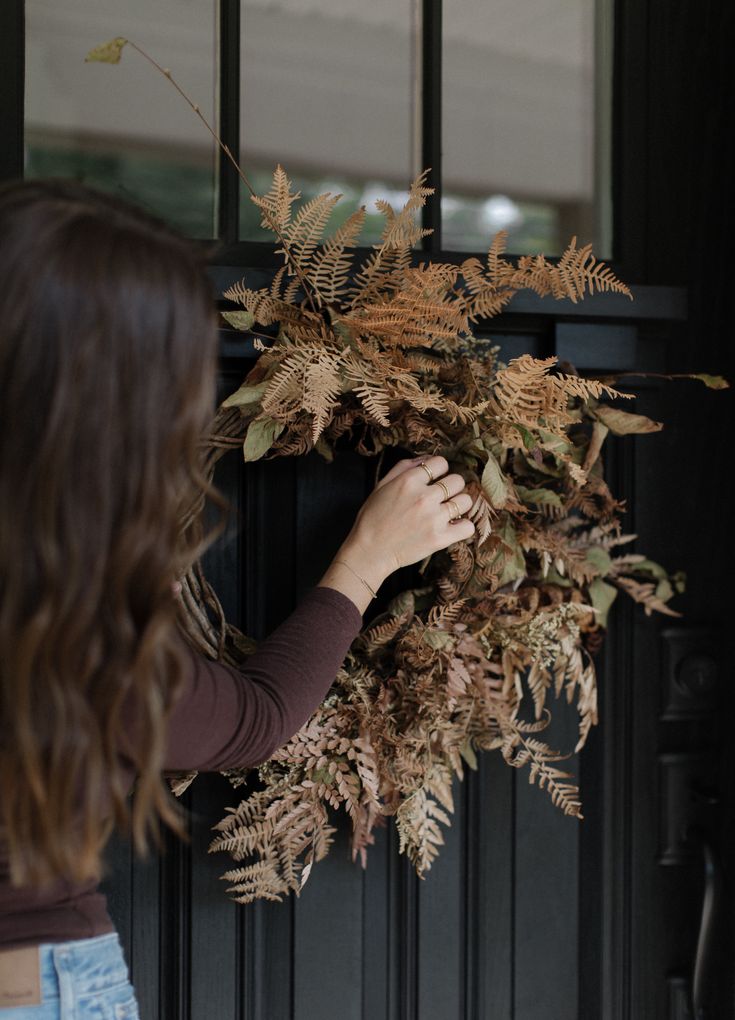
{"x":107,"y":375}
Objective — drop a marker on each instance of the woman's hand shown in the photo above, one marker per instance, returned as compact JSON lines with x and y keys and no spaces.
{"x":405,"y":519}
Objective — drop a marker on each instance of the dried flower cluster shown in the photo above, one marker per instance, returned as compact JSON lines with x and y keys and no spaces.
{"x":382,"y":354}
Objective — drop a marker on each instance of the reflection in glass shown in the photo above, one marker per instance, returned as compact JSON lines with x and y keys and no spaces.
{"x":519,"y":123}
{"x":124,"y":128}
{"x":327,"y":91}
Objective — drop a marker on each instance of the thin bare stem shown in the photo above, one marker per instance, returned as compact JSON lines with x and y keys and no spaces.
{"x":226,"y":150}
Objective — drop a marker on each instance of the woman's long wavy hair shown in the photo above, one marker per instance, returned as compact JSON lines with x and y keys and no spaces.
{"x":107,"y":383}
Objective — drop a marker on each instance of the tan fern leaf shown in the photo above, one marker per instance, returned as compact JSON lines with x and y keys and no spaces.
{"x":330,"y":266}
{"x":538,"y":681}
{"x":527,"y":394}
{"x":264,"y":307}
{"x":400,"y":235}
{"x":258,"y":881}
{"x":421,"y":312}
{"x":275,"y":206}
{"x":495,"y":262}
{"x":577,"y":272}
{"x":464,"y":414}
{"x":418,"y":818}
{"x":284,"y":393}
{"x":645,"y":593}
{"x":448,"y":612}
{"x":375,"y":402}
{"x":420,"y":361}
{"x":362,"y":835}
{"x":521,"y":391}
{"x":305,"y":232}
{"x":581,"y":273}
{"x":485,"y":298}
{"x":481,"y":514}
{"x":308,"y":379}
{"x":380,"y":634}
{"x":293,"y":443}
{"x":276,"y":289}
{"x":321,"y":385}
{"x":407,"y":387}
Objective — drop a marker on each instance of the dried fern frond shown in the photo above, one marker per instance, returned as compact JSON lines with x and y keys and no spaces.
{"x":276,"y":204}
{"x":577,"y":273}
{"x":330,"y":267}
{"x":392,"y":254}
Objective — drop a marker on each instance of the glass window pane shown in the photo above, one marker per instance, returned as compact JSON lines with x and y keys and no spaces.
{"x":124,"y":128}
{"x":524,"y":114}
{"x":327,"y":91}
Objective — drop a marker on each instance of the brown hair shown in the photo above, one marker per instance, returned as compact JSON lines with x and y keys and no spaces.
{"x":107,"y":374}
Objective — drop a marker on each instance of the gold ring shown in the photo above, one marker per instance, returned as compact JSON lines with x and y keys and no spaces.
{"x":446,"y":490}
{"x":427,"y":470}
{"x":457,"y":514}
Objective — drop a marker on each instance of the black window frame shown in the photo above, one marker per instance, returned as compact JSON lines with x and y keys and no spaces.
{"x":228,"y":189}
{"x":629,"y":126}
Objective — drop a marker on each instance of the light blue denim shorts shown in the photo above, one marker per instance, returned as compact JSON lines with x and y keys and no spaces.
{"x":84,"y":980}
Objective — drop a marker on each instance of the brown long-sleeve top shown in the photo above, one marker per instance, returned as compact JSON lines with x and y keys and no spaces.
{"x":223,"y":718}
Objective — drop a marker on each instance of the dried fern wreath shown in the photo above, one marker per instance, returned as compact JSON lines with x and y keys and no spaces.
{"x":382,"y":355}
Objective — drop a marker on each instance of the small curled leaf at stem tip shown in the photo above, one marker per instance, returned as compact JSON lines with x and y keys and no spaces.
{"x":109,"y":52}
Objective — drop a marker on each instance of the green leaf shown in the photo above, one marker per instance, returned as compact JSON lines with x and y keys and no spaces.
{"x":557,"y":445}
{"x":600,"y":559}
{"x":494,"y":483}
{"x":554,"y":577}
{"x":260,"y":436}
{"x":664,"y":590}
{"x":239,"y":320}
{"x":437,"y":638}
{"x":246,"y":395}
{"x":623,"y":423}
{"x":529,"y":440}
{"x":539,"y":497}
{"x":402,"y":604}
{"x":712,"y":382}
{"x":342,"y":333}
{"x":647,"y":567}
{"x":602,"y":596}
{"x":107,"y":53}
{"x":515,"y":566}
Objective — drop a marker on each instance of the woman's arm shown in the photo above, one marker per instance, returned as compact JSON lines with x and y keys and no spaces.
{"x":227,"y":718}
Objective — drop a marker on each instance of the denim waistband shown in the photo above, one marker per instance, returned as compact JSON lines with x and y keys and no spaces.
{"x":92,"y":964}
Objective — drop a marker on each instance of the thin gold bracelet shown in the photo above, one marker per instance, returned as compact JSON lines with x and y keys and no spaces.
{"x":374,"y":595}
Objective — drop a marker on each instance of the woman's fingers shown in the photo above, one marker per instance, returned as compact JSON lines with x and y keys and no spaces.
{"x":413,"y":512}
{"x":448,"y":486}
{"x":437,"y":465}
{"x":460,"y":530}
{"x":457,"y":505}
{"x":398,"y":469}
